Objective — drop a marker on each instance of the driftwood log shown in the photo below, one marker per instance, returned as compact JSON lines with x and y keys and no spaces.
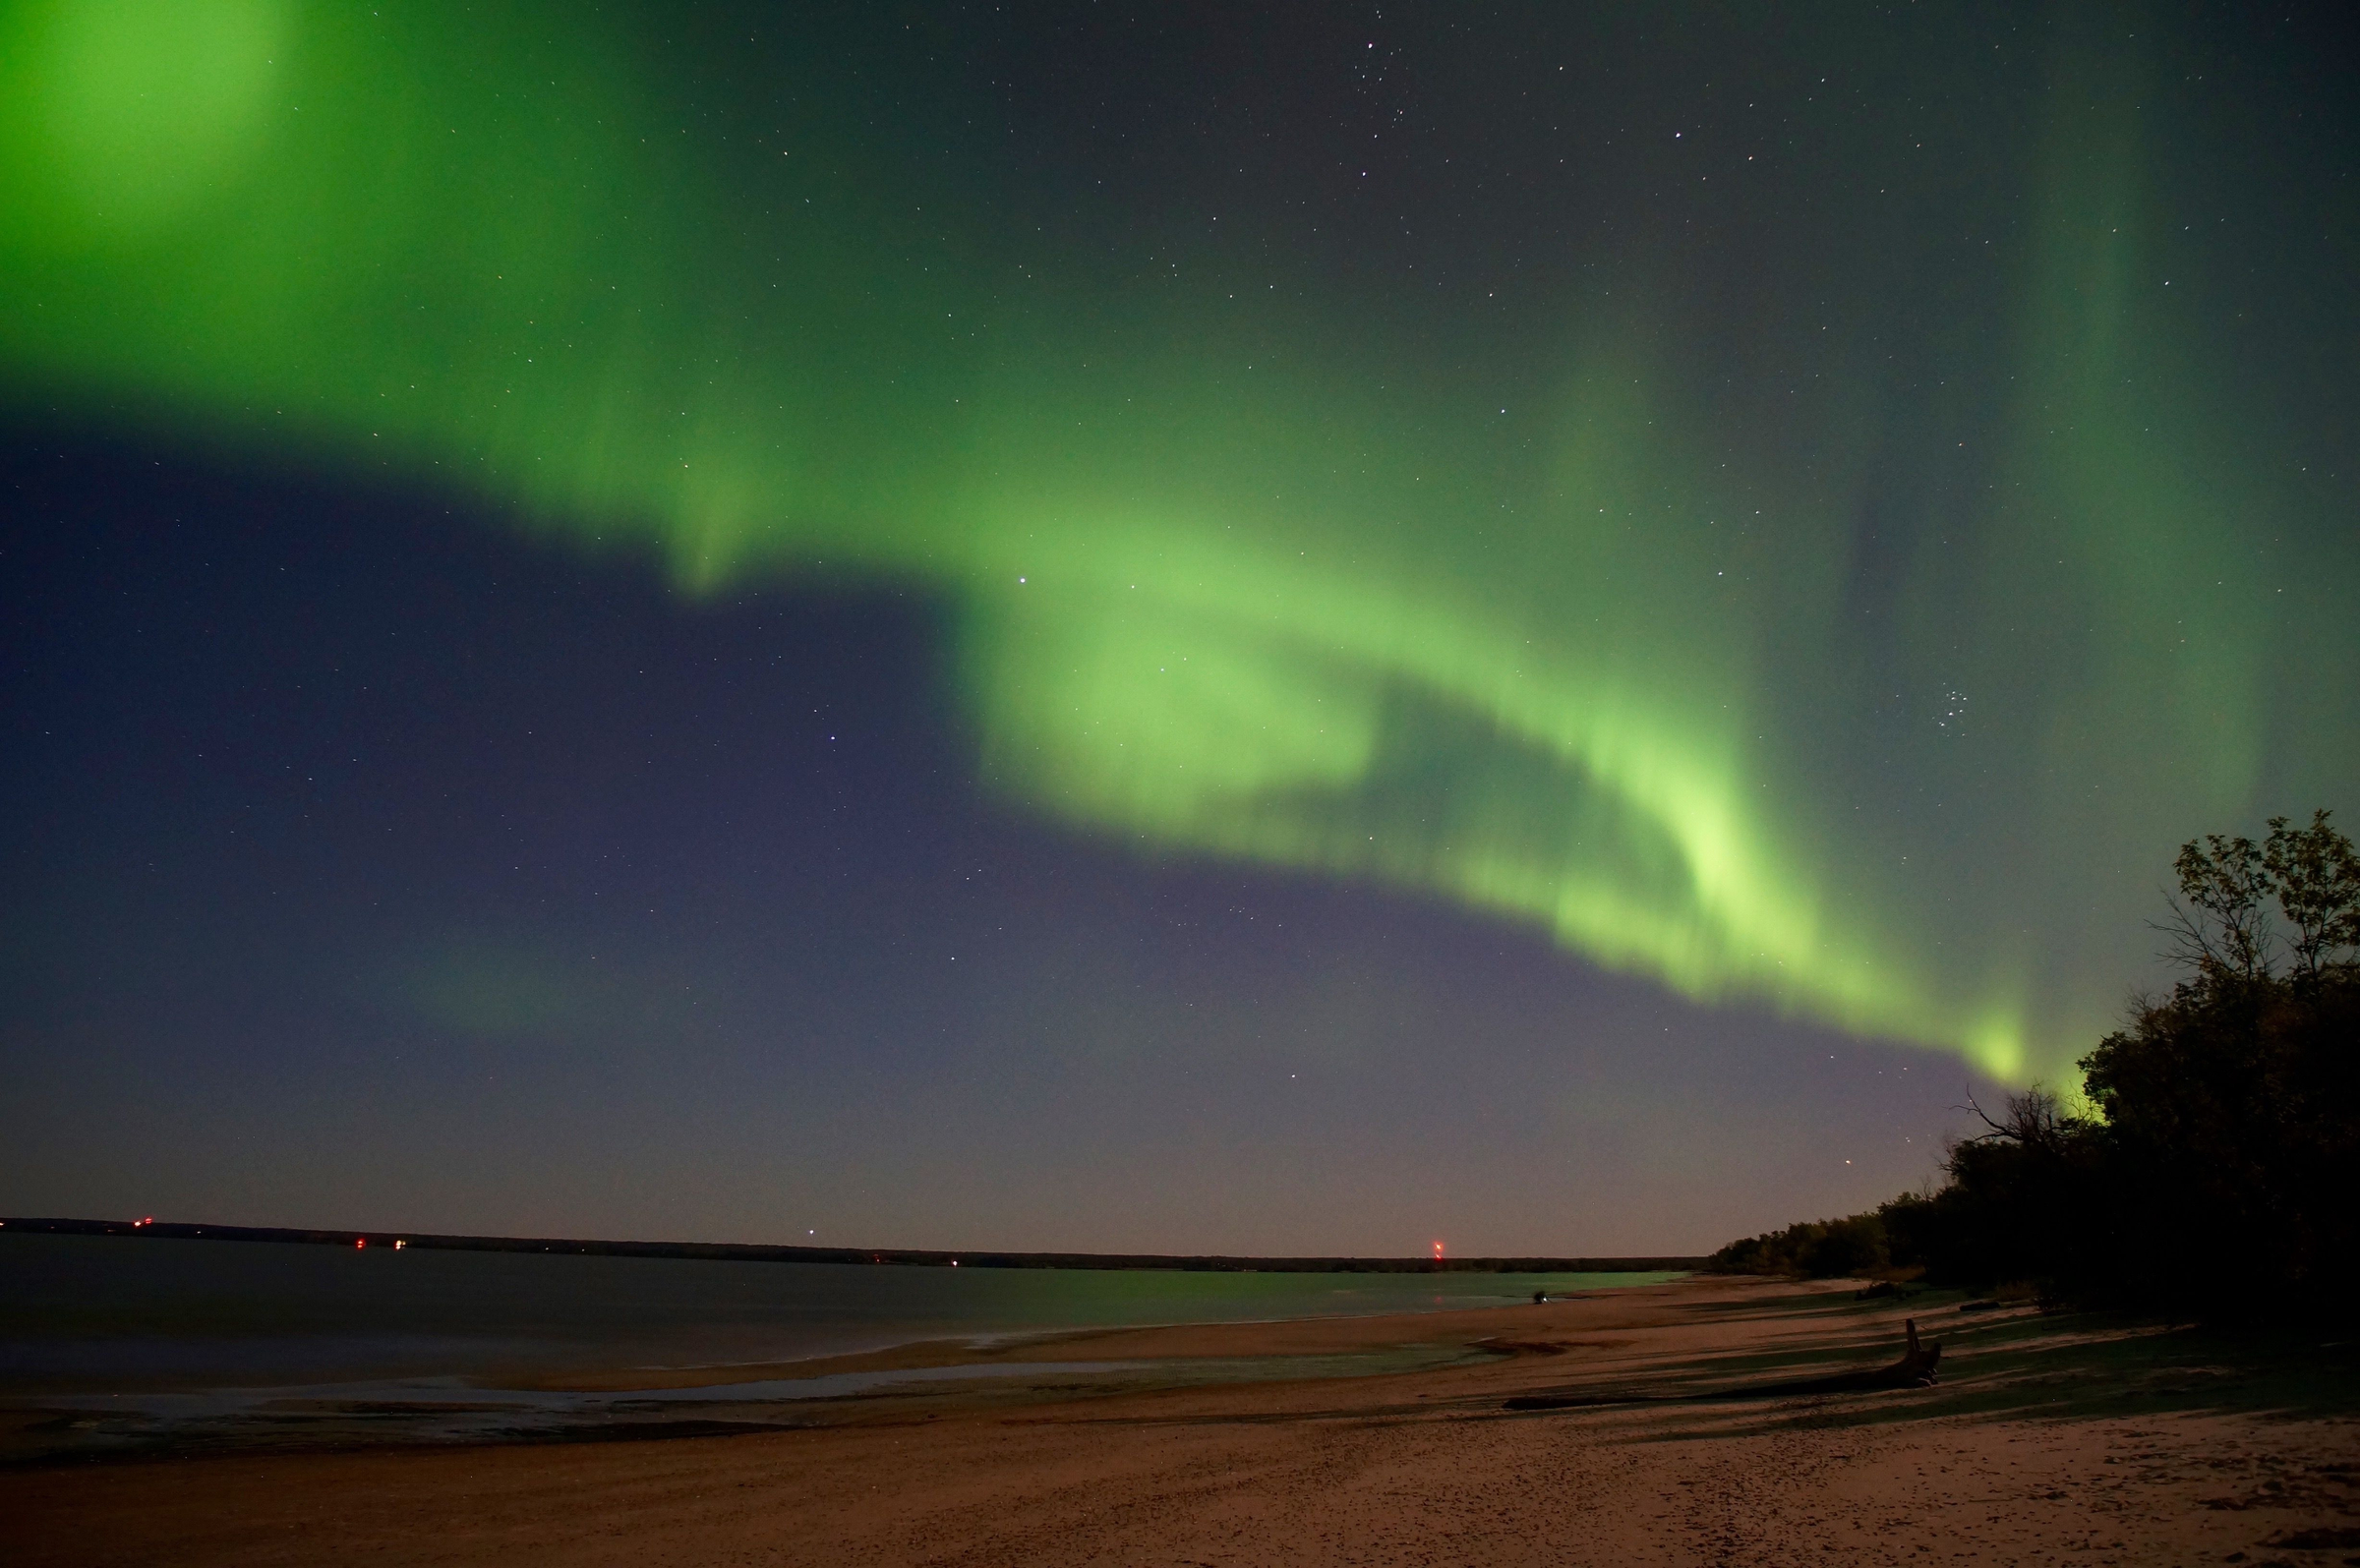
{"x":1917,"y":1368}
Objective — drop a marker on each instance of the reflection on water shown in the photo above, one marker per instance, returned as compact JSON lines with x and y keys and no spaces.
{"x":450,"y":1409}
{"x":147,"y":1336}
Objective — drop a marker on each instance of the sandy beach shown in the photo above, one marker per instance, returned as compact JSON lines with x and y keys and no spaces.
{"x":2062,"y":1439}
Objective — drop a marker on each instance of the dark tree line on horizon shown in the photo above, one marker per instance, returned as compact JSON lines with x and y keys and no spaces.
{"x":2213,"y":1163}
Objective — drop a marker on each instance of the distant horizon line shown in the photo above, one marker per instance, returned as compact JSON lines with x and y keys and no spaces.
{"x":362,"y":1237}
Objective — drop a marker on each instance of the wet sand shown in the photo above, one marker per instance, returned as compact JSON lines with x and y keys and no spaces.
{"x":2050,"y":1439}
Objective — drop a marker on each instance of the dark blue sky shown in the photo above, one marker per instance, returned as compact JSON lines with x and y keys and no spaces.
{"x":372,"y":866}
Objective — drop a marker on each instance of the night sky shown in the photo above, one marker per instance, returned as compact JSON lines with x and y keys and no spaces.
{"x":1299,"y":628}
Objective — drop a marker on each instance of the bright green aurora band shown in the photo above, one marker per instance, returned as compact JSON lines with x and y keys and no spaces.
{"x":1271,"y":578}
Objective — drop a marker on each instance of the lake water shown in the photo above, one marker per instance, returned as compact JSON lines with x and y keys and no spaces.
{"x":198,"y":1334}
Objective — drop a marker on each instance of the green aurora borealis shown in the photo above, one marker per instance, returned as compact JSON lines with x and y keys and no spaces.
{"x":1841,"y":608}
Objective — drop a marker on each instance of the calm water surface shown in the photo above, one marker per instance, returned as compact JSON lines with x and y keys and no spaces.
{"x":121,"y":1315}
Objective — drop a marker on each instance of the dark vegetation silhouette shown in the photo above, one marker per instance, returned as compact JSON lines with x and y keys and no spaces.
{"x":2214,"y":1164}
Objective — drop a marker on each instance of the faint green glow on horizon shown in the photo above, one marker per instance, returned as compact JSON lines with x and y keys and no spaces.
{"x":1273,"y":611}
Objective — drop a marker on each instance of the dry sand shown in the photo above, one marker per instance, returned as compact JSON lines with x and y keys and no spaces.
{"x":2050,"y":1440}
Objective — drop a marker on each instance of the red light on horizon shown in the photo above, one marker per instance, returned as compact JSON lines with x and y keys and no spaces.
{"x":1438,"y":1251}
{"x":359,"y":1241}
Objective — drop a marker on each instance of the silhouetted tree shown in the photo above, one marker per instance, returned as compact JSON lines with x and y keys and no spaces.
{"x":2224,"y":926}
{"x":2317,"y":879}
{"x":2218,"y":1168}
